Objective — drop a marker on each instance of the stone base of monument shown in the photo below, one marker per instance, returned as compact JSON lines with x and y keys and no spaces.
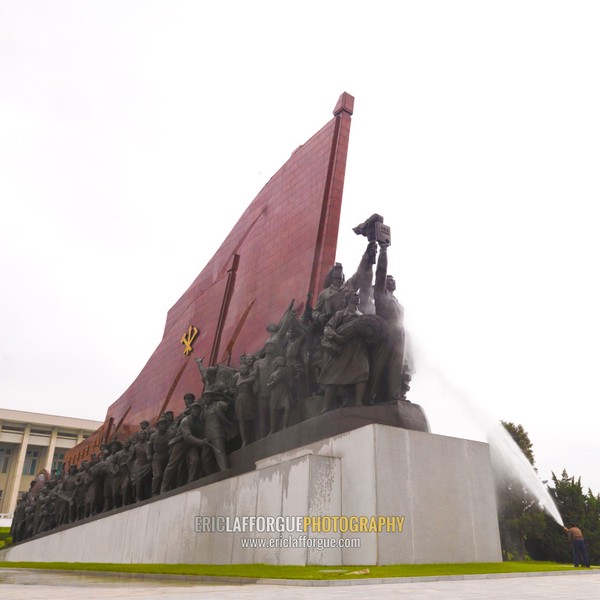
{"x":377,"y":494}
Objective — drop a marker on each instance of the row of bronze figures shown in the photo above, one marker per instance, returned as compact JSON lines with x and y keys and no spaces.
{"x":349,"y":349}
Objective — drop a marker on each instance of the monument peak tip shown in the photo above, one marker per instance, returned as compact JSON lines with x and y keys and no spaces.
{"x":345,"y":104}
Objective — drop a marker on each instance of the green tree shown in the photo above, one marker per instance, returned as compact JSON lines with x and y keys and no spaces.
{"x":575,"y":507}
{"x":526,"y":530}
{"x":521,"y":438}
{"x":519,"y":514}
{"x":552,"y":544}
{"x":582,"y":509}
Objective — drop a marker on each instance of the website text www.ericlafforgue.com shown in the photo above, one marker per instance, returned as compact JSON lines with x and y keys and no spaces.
{"x":300,"y":541}
{"x":304,"y":527}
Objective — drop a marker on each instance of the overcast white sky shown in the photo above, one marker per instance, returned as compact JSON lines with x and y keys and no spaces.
{"x":133,"y":135}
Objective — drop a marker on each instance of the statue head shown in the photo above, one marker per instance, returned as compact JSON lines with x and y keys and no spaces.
{"x":390,"y":283}
{"x":335,"y":276}
{"x":272,"y":328}
{"x":189,"y":399}
{"x":169,"y":416}
{"x":211,"y":374}
{"x":162,"y":425}
{"x":352,"y":298}
{"x":196,"y":408}
{"x":115,"y":446}
{"x":247,"y":359}
{"x":144,"y":425}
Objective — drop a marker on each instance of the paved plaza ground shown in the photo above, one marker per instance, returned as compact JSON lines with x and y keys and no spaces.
{"x":23,"y":584}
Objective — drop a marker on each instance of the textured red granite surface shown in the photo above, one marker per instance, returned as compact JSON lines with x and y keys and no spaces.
{"x":281,"y":248}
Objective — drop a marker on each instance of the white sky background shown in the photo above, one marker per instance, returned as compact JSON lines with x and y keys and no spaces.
{"x":134,"y":134}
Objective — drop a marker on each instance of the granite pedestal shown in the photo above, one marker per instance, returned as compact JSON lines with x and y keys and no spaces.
{"x":437,"y":490}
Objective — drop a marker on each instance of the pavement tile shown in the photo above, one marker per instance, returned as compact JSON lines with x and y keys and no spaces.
{"x":24,"y":584}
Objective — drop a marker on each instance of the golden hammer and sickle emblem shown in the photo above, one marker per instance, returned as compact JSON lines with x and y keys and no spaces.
{"x":188,"y":338}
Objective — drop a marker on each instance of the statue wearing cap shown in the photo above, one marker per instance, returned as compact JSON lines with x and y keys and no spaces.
{"x":158,"y":453}
{"x":185,"y":448}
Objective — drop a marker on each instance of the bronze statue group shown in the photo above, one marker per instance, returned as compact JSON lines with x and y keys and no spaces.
{"x":347,"y":350}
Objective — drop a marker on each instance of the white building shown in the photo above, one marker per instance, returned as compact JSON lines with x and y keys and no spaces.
{"x":30,"y":443}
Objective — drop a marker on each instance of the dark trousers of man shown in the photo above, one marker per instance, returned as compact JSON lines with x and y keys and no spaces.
{"x":580,"y":555}
{"x":212,"y":453}
{"x":159,"y":464}
{"x":180,"y":451}
{"x":263,"y":415}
